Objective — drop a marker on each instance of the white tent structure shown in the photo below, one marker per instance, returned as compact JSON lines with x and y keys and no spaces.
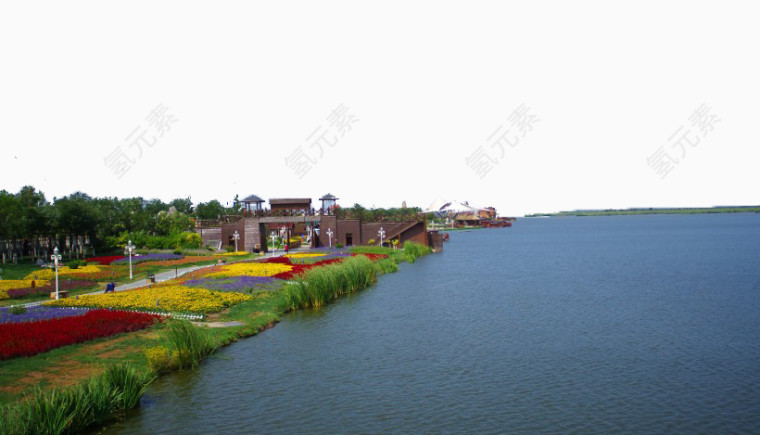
{"x":441,"y":207}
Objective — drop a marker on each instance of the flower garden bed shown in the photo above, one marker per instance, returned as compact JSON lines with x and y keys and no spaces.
{"x":31,"y":338}
{"x":235,"y":284}
{"x":33,"y":314}
{"x":179,"y":262}
{"x":173,"y":297}
{"x":44,"y":287}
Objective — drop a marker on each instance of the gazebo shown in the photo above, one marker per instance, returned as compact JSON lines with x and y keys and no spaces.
{"x":252,"y":203}
{"x":328,"y":201}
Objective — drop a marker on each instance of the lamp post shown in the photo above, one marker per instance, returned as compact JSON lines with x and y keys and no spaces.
{"x":381,"y":233}
{"x":130,"y":248}
{"x":329,"y":235}
{"x":236,"y":236}
{"x":274,"y":239}
{"x":56,"y":257}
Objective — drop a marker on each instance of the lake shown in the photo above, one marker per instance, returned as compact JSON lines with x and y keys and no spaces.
{"x":572,"y":324}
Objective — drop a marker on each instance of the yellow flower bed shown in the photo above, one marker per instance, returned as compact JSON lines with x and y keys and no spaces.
{"x":306,"y":255}
{"x":230,"y":254}
{"x":170,"y":298}
{"x":7,"y":284}
{"x":50,"y":273}
{"x":249,"y":269}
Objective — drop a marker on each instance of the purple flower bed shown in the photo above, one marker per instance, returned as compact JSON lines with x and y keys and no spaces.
{"x":33,"y":314}
{"x":63,"y":284}
{"x":148,"y":257}
{"x":237,"y":284}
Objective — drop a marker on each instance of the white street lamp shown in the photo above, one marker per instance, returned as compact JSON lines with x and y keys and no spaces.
{"x":236,"y":236}
{"x":381,"y":233}
{"x":329,"y":235}
{"x":56,"y":258}
{"x":274,"y":240}
{"x":130,"y":248}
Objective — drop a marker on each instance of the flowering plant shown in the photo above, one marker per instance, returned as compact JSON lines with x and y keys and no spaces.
{"x":160,"y":297}
{"x":31,"y":338}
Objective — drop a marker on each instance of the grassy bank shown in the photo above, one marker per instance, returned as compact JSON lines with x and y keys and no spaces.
{"x":39,"y":388}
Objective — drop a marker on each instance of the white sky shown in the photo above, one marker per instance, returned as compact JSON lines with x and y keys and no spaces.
{"x":247,"y":82}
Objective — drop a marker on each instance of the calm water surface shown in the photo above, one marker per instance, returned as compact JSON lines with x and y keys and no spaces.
{"x":596,"y":324}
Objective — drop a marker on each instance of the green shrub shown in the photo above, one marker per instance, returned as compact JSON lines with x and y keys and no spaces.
{"x":76,"y":264}
{"x":17,"y":309}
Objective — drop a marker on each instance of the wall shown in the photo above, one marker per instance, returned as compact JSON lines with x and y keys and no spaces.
{"x":228,"y":229}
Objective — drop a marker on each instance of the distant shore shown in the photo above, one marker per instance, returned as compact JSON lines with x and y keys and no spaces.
{"x":632,"y":211}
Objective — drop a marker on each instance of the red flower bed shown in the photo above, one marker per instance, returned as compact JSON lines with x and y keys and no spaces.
{"x":104,"y":260}
{"x":301,"y":268}
{"x":373,"y":257}
{"x":31,"y":338}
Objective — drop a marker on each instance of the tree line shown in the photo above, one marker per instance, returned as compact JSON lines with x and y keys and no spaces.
{"x":79,"y":224}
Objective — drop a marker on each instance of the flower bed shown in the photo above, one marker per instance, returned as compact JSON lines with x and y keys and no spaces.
{"x":33,"y":314}
{"x":137,"y":259}
{"x":236,"y":284}
{"x":231,"y":254}
{"x":169,"y":263}
{"x":31,"y":338}
{"x":306,"y":255}
{"x":297,"y":269}
{"x":105,"y":260}
{"x":250,"y":269}
{"x":9,"y":285}
{"x":49,"y":287}
{"x":160,"y":297}
{"x":49,"y":273}
{"x":373,"y":257}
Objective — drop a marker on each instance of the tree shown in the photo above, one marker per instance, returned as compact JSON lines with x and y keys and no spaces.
{"x":209,"y":210}
{"x":182,"y":205}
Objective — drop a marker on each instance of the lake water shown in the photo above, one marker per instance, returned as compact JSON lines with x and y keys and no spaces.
{"x":591,"y":324}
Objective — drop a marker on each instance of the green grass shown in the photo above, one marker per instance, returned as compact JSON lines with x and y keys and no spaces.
{"x":17,"y":271}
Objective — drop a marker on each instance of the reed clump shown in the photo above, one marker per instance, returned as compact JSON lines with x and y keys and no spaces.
{"x":189,"y":344}
{"x":318,"y":286}
{"x":73,"y":409}
{"x":412,"y":251}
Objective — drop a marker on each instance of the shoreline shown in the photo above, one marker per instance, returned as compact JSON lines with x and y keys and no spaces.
{"x":69,"y":366}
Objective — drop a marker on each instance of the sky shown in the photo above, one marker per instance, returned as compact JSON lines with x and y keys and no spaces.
{"x":523,"y":106}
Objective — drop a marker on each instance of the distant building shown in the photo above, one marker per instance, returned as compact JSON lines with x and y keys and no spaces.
{"x":295,"y":217}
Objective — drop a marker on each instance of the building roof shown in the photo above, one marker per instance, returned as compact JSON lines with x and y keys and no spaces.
{"x":328,"y":197}
{"x":290,"y":201}
{"x":252,"y":198}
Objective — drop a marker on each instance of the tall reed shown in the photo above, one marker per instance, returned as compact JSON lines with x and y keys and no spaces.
{"x":318,"y":286}
{"x":190,"y":343}
{"x":73,"y":409}
{"x":412,"y":251}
